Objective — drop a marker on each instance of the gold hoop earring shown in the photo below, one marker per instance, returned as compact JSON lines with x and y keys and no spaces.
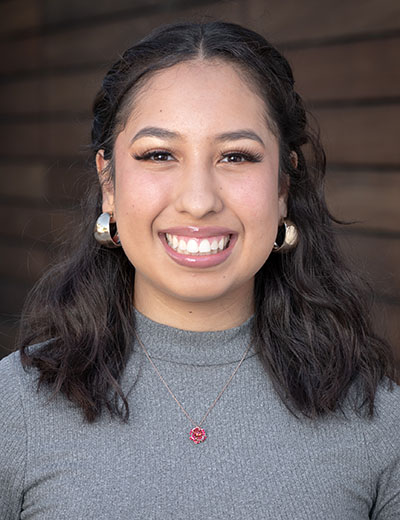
{"x":287,"y":237}
{"x":103,"y":232}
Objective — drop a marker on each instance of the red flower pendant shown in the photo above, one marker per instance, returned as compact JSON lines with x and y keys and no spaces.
{"x":197,"y":435}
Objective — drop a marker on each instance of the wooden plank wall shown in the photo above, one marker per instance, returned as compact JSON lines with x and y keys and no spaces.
{"x":53,"y":53}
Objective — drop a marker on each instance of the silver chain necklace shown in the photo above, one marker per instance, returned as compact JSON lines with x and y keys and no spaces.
{"x":197,"y":433}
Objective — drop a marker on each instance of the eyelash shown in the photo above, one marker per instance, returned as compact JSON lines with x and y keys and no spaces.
{"x":245,"y":154}
{"x":146,"y":156}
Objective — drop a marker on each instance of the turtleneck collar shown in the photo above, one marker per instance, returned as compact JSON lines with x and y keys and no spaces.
{"x":193,"y":348}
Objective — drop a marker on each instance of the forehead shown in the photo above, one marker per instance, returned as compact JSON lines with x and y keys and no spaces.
{"x":202,"y":92}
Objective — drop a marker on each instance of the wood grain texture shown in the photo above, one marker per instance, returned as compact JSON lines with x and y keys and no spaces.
{"x":368,"y":197}
{"x":30,"y":225}
{"x":98,"y":44}
{"x":22,"y":180}
{"x":309,"y":20}
{"x":67,"y":11}
{"x":386,"y":319}
{"x":351,"y":71}
{"x":13,"y":294}
{"x":377,"y":258}
{"x":54,"y":139}
{"x":22,"y":263}
{"x":19,"y":15}
{"x":361,"y":135}
{"x":65,"y":94}
{"x":41,"y":182}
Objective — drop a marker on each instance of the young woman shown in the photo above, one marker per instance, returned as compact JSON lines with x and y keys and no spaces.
{"x":206,"y":351}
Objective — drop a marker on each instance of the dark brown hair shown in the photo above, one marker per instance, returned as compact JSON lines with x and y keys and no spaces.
{"x":311,"y":326}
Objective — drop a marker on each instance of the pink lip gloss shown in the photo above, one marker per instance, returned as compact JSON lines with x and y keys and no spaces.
{"x":196,"y":260}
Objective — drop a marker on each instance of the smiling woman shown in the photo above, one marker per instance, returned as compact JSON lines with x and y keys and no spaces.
{"x":194,"y":172}
{"x":205,"y":350}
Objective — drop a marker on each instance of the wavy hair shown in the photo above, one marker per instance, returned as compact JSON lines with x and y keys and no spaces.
{"x":312,"y":327}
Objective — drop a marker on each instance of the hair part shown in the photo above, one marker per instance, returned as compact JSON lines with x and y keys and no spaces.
{"x":312,"y":324}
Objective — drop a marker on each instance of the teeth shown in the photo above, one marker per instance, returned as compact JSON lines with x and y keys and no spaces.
{"x":192,"y":246}
{"x":196,"y":246}
{"x":204,"y":246}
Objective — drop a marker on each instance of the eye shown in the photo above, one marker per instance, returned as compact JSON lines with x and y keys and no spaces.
{"x":155,"y":156}
{"x":239,"y":157}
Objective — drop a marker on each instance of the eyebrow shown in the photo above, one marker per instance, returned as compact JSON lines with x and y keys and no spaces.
{"x":239,"y":134}
{"x":163,"y":133}
{"x":154,"y":131}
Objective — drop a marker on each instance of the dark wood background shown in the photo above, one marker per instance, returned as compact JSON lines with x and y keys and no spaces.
{"x":53,"y":54}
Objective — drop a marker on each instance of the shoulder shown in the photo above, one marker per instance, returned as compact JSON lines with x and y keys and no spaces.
{"x":381,"y":432}
{"x":15,"y":383}
{"x":11,"y":373}
{"x":18,"y":384}
{"x":387,"y":404}
{"x":13,"y":434}
{"x":382,"y":439}
{"x":14,"y":378}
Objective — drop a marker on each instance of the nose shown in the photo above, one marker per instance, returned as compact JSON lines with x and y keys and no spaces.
{"x":198,"y":193}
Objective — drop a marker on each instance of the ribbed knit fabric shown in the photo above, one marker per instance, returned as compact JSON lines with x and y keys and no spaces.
{"x":258,"y":461}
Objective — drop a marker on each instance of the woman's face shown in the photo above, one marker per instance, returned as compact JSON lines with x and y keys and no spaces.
{"x":196,"y":196}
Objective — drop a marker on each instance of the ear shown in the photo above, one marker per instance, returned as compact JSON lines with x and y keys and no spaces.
{"x":284,"y":188}
{"x":294,"y":159}
{"x":283,"y":195}
{"x":106,"y":183}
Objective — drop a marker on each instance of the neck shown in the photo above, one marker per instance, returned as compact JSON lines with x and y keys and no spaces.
{"x":221,"y":314}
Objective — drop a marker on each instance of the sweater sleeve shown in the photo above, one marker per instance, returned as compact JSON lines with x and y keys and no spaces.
{"x":13,"y":439}
{"x":384,"y":451}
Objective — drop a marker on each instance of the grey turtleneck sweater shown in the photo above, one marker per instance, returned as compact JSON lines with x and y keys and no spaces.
{"x":258,"y":461}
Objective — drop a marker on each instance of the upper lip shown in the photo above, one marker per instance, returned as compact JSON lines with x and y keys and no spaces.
{"x":198,"y":232}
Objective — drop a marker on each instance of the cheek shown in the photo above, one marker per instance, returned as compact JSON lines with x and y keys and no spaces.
{"x":258,"y":201}
{"x":139,"y":195}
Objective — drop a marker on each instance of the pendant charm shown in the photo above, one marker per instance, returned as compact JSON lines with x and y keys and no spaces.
{"x":197,"y":435}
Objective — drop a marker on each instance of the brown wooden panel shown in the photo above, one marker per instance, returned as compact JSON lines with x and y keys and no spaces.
{"x":75,"y":10}
{"x":22,"y":262}
{"x":63,"y":11}
{"x":69,"y":181}
{"x":20,"y":55}
{"x":101,"y":43}
{"x":48,"y":139}
{"x":377,"y":258}
{"x":23,"y":180}
{"x":44,"y":182}
{"x":18,"y":15}
{"x":361,"y":134}
{"x":366,"y":69}
{"x":71,"y":92}
{"x":33,"y":224}
{"x":368,"y":197}
{"x":21,"y":97}
{"x":12,"y":295}
{"x":292,"y":20}
{"x":387,"y":322}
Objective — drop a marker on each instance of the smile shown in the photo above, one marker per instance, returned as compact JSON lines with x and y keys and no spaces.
{"x":198,"y":246}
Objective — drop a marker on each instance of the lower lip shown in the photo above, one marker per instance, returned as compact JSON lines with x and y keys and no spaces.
{"x":201,"y":261}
